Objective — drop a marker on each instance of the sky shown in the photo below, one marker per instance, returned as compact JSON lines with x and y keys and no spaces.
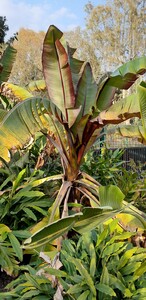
{"x":39,"y":14}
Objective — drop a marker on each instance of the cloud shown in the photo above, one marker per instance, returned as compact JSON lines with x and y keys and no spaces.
{"x":36,"y":16}
{"x":62,"y":12}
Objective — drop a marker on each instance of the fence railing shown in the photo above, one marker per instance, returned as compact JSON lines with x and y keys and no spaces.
{"x":138,"y":154}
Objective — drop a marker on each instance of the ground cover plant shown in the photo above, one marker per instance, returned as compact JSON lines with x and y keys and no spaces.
{"x":71,"y":119}
{"x":100,"y":264}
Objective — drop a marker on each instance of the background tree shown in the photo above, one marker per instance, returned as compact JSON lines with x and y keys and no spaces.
{"x":78,"y":38}
{"x":3,"y":29}
{"x":116,"y":31}
{"x":29,"y":46}
{"x":27,"y":66}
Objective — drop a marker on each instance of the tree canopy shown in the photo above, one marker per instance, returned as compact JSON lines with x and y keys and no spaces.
{"x":113,"y":34}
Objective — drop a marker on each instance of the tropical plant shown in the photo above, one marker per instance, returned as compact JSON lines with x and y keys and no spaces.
{"x":103,"y":264}
{"x":24,"y":199}
{"x":76,"y":111}
{"x":100,"y":264}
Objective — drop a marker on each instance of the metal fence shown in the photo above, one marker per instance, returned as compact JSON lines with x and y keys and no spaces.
{"x":114,"y":141}
{"x":133,"y":149}
{"x":138,"y":154}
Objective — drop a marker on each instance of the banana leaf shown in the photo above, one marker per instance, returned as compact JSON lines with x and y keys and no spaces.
{"x":11,"y":90}
{"x":57,"y":71}
{"x":121,"y":78}
{"x":7,"y":60}
{"x":142,"y":101}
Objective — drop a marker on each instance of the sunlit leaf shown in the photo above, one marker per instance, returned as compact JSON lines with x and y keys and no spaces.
{"x":121,"y":78}
{"x":50,"y":232}
{"x":37,"y":85}
{"x":111,"y":196}
{"x":12,"y":90}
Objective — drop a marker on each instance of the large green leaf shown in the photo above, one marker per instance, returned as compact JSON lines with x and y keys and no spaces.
{"x":57,"y":71}
{"x":2,"y":114}
{"x":142,"y":101}
{"x":136,"y":213}
{"x":7,"y":60}
{"x":111,"y":196}
{"x":92,"y":217}
{"x":89,"y":219}
{"x":23,"y":121}
{"x":86,"y":92}
{"x":125,"y":75}
{"x":50,"y":232}
{"x":130,"y":131}
{"x":76,"y":66}
{"x":105,"y":94}
{"x":121,"y":78}
{"x":120,"y":111}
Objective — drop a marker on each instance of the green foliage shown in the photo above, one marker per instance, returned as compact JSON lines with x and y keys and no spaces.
{"x":100,"y":264}
{"x":108,"y":167}
{"x":29,"y":285}
{"x":115,"y":267}
{"x":103,"y":165}
{"x":23,"y":200}
{"x":109,"y":204}
{"x":132,"y":182}
{"x":24,"y":197}
{"x":10,"y":251}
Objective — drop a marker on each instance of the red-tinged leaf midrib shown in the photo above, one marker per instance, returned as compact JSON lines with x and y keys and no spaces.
{"x":57,"y":72}
{"x":65,"y":75}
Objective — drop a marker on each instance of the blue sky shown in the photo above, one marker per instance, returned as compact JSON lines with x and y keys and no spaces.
{"x":39,"y":14}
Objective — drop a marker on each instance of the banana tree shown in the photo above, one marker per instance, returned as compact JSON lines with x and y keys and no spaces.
{"x":7,"y":60}
{"x":76,"y":110}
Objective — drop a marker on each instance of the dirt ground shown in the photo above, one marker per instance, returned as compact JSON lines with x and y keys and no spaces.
{"x":4,"y":280}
